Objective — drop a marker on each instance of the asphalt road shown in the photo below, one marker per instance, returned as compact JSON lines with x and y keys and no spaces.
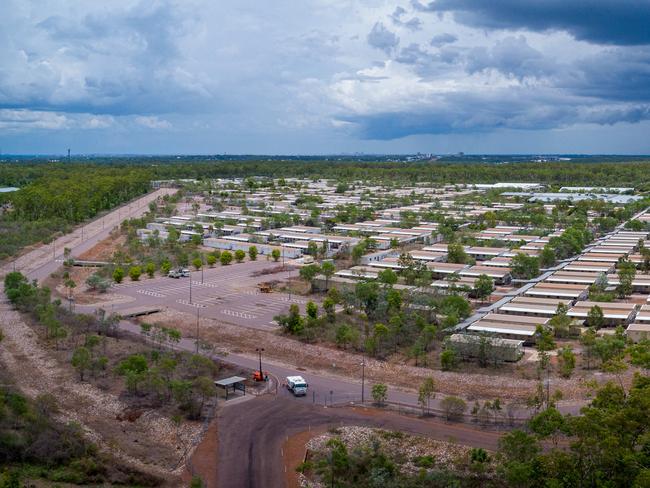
{"x":251,"y":435}
{"x":42,"y":261}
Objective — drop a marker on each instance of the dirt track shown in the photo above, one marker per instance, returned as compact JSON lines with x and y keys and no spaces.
{"x":252,"y":434}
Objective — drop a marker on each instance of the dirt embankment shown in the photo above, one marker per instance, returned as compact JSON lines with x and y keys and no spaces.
{"x":147,"y":441}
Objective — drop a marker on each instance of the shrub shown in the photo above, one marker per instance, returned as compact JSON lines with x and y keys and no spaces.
{"x":453,"y":407}
{"x":225,"y":258}
{"x":118,"y":275}
{"x":275,"y":254}
{"x":135,"y":272}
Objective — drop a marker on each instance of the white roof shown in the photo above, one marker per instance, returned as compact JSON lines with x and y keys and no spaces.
{"x":296,"y":379}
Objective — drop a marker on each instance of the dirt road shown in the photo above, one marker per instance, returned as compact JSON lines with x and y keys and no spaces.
{"x":252,"y":433}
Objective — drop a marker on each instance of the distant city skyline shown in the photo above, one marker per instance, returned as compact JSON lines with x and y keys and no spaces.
{"x":325,"y":77}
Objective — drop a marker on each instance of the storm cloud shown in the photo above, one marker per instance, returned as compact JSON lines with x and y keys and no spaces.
{"x":328,"y":76}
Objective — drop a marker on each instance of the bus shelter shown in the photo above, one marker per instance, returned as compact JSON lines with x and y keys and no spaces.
{"x":233,"y":383}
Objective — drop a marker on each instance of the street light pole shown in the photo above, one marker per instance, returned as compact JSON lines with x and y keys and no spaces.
{"x":190,"y":273}
{"x":363,"y":379}
{"x":197,"y":330}
{"x":259,"y":352}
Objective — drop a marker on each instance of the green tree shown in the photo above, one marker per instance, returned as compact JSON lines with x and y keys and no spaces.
{"x":547,"y":256}
{"x":387,"y":277}
{"x":330,"y":309}
{"x":524,"y":266}
{"x":135,"y":272}
{"x":448,"y":359}
{"x":312,"y":310}
{"x":588,"y":342}
{"x":346,"y":335}
{"x":456,"y":253}
{"x":483,"y":286}
{"x":453,"y":407}
{"x":548,"y":423}
{"x":293,"y":322}
{"x":425,"y":393}
{"x":240,"y":255}
{"x":566,"y":361}
{"x":379,"y":393}
{"x":560,"y":322}
{"x":197,"y":263}
{"x":252,"y":253}
{"x":225,"y":258}
{"x":545,"y":340}
{"x":595,"y":317}
{"x":96,"y":283}
{"x":327,"y":269}
{"x":211,"y":259}
{"x":165,"y":267}
{"x":118,"y":275}
{"x":150,"y":269}
{"x":309,"y":272}
{"x":81,"y":361}
{"x":275,"y":254}
{"x":626,"y":275}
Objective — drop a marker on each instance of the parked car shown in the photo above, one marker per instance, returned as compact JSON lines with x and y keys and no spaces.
{"x":179,"y":273}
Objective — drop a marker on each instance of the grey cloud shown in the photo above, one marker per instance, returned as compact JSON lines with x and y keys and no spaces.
{"x":614,"y":74}
{"x":442,"y":39}
{"x":511,"y":56}
{"x":471,"y":112}
{"x":125,"y":61}
{"x":397,"y":14}
{"x":412,"y":54}
{"x":382,"y":38}
{"x":421,"y":7}
{"x":620,"y":22}
{"x":413,"y":24}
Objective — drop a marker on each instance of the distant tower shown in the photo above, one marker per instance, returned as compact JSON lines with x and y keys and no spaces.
{"x":68,"y":155}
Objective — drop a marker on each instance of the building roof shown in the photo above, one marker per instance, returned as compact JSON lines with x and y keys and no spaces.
{"x":611,"y":310}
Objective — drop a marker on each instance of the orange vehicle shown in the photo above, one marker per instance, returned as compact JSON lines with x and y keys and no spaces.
{"x":263,"y":376}
{"x":265,"y":288}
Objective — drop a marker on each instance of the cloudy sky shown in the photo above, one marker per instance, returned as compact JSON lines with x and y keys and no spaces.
{"x":325,"y":76}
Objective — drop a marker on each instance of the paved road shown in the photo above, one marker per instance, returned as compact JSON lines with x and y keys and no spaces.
{"x":251,"y":435}
{"x":42,"y":261}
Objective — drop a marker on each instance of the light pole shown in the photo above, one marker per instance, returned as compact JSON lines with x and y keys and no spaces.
{"x":363,"y":379}
{"x":190,"y":273}
{"x":197,"y":330}
{"x":259,"y":353}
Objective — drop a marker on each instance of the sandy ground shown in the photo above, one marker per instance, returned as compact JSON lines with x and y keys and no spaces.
{"x":151,"y":443}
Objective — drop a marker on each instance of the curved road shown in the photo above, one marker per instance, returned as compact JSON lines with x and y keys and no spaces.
{"x":251,"y":435}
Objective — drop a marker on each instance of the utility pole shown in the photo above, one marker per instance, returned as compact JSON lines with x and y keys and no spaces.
{"x":548,"y":385}
{"x":363,"y":379}
{"x":190,"y":273}
{"x":259,"y":352}
{"x":197,"y":330}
